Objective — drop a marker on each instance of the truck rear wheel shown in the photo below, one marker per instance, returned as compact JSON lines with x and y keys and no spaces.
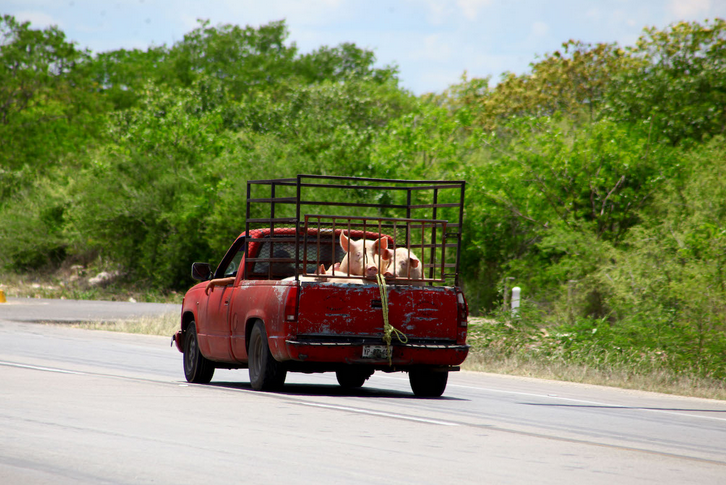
{"x":197,"y":368}
{"x":427,"y":382}
{"x":352,"y":378}
{"x":266,"y":374}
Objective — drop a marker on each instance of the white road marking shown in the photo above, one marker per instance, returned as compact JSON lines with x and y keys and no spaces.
{"x":593,"y":403}
{"x":46,"y":369}
{"x":581,"y":401}
{"x":379,"y":413}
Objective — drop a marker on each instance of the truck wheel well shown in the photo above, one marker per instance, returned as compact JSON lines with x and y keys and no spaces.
{"x":248,"y":331}
{"x":187,"y":319}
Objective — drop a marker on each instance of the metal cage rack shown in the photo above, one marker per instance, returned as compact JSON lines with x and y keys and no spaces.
{"x":298,"y":221}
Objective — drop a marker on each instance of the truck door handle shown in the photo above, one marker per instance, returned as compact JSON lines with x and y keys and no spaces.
{"x":376,"y":304}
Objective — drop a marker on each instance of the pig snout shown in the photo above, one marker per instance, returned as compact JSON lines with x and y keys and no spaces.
{"x":371,"y":271}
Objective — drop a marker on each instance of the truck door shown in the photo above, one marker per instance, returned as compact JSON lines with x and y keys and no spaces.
{"x":215,"y":318}
{"x":215,"y":310}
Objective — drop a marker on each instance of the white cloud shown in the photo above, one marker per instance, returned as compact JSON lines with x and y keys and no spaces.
{"x":689,"y":9}
{"x":594,"y":13}
{"x":435,"y":48}
{"x":435,"y":80}
{"x":310,"y":12}
{"x":313,"y":13}
{"x":436,"y":12}
{"x":38,"y":20}
{"x":540,"y":29}
{"x":471,"y":8}
{"x":188,"y":21}
{"x":494,"y":65}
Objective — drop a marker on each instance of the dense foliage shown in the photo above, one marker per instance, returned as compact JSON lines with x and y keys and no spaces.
{"x":595,"y":181}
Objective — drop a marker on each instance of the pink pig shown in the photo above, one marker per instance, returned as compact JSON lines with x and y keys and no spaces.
{"x":361,"y":255}
{"x":338,"y":274}
{"x":404,"y":264}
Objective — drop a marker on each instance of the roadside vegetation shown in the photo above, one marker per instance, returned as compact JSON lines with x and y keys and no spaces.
{"x":78,"y":283}
{"x":513,"y":346}
{"x":164,"y":325}
{"x":595,"y":182}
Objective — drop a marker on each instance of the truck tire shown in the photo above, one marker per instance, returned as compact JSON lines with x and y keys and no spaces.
{"x":197,"y":368}
{"x":266,"y":374}
{"x":427,"y":382}
{"x":352,"y":378}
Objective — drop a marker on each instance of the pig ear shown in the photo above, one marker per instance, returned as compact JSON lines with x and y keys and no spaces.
{"x":386,"y":254}
{"x":380,"y":245}
{"x":344,"y":242}
{"x":414,"y":261}
{"x":321,"y":269}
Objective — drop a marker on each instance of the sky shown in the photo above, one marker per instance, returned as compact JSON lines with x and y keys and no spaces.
{"x":433,"y":42}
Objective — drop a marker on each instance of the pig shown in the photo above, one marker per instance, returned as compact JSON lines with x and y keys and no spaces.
{"x":403,"y":264}
{"x":329,"y":271}
{"x":334,"y":270}
{"x":338,"y":274}
{"x":362,"y":256}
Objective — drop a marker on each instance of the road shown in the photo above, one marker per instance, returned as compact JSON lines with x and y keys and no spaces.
{"x":82,"y":406}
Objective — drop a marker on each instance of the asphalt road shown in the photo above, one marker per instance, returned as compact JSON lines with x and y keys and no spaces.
{"x":82,"y":406}
{"x":46,"y":310}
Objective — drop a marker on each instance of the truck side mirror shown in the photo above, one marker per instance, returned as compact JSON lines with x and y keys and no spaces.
{"x":201,"y":271}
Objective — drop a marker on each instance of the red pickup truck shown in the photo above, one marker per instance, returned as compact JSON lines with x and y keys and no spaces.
{"x":275,"y":315}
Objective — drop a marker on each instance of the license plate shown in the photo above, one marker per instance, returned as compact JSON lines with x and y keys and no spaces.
{"x":375,"y":352}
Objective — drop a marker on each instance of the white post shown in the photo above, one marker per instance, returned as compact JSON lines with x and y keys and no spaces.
{"x":506,"y":290}
{"x":515,"y":300}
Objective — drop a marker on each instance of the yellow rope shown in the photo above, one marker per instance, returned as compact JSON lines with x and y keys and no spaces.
{"x":388,"y":329}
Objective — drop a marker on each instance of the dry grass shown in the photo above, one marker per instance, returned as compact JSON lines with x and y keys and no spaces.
{"x":492,"y":352}
{"x":166,"y":324}
{"x":660,"y":381}
{"x":65,"y":283}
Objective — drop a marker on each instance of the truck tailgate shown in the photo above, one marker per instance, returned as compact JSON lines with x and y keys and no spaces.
{"x":353,"y":311}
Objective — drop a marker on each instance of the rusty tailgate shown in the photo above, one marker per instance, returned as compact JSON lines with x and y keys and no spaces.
{"x":349,"y":310}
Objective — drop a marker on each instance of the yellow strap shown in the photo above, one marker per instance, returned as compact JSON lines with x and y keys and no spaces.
{"x":388,"y":329}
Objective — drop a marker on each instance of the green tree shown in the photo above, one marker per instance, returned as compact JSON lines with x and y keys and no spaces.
{"x":666,"y":283}
{"x":156,"y":182}
{"x":572,"y":82}
{"x":340,"y":63}
{"x":531,"y":197}
{"x":429,"y":143}
{"x":245,"y":59}
{"x":677,"y":82}
{"x":48,"y":108}
{"x":121,"y":75}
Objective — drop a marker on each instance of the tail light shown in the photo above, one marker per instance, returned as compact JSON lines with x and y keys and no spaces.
{"x":463,"y":307}
{"x":291,"y":304}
